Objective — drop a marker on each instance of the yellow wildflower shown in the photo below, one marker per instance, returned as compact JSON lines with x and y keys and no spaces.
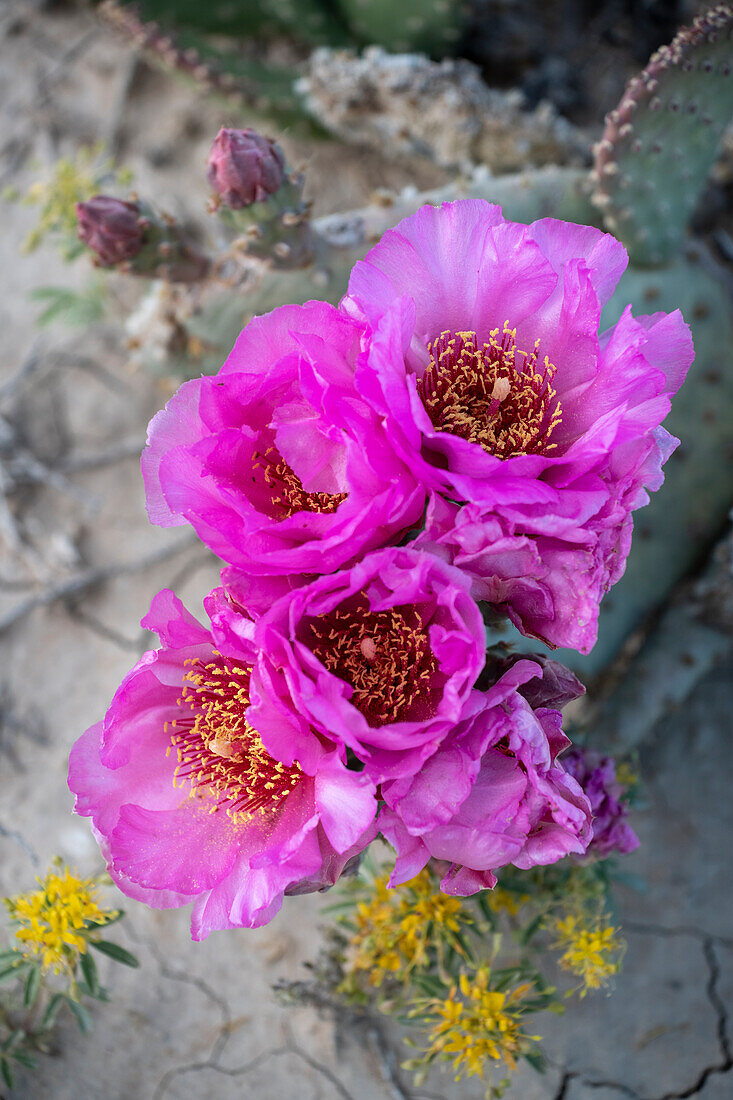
{"x":626,"y":775}
{"x":477,"y":1025}
{"x":70,"y":182}
{"x":395,"y":928}
{"x":591,"y":949}
{"x":500,"y":900}
{"x":55,"y":919}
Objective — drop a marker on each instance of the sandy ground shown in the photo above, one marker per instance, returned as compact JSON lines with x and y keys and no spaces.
{"x":200,"y":1021}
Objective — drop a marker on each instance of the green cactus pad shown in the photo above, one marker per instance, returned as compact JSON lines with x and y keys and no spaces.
{"x":674,"y":532}
{"x":310,"y":21}
{"x":433,"y":26}
{"x":659,"y":144}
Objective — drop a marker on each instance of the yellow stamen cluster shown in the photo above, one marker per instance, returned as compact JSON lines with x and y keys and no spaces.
{"x":54,"y":919}
{"x":285,"y":488}
{"x":219,"y":753}
{"x":492,"y":394}
{"x":395,"y":929}
{"x":385,"y":655}
{"x":476,"y":1025}
{"x":591,"y":950}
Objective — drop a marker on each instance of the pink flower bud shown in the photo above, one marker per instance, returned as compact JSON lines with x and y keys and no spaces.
{"x":244,"y":167}
{"x":111,"y":228}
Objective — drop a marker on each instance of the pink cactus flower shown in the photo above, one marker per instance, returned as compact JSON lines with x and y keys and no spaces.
{"x":186,"y":802}
{"x":494,"y":387}
{"x":381,"y":658}
{"x":494,"y":793}
{"x":264,"y":459}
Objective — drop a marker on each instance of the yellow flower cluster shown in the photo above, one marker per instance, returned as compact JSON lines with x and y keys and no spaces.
{"x":500,"y":900}
{"x":53,"y":919}
{"x":591,"y":950}
{"x":396,"y":927}
{"x":477,"y":1025}
{"x":71,"y":181}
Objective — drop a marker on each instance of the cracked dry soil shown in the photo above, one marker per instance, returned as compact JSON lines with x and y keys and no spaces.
{"x":79,"y":565}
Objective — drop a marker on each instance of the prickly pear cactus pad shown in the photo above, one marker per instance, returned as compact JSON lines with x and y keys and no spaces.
{"x":430,"y":25}
{"x":660,"y":142}
{"x":673,"y":533}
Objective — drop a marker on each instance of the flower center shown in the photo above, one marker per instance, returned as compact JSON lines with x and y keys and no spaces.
{"x":218,"y":752}
{"x":285,"y":489}
{"x":384,"y":655}
{"x":492,"y":394}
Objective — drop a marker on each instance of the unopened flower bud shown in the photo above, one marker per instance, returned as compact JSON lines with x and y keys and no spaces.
{"x":244,"y":167}
{"x":111,"y":228}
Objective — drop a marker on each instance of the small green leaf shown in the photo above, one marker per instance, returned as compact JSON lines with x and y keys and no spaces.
{"x":89,"y":970}
{"x":52,"y":1010}
{"x":80,"y":1014}
{"x":71,"y":306}
{"x":13,"y":1040}
{"x":32,"y":985}
{"x":24,"y":1058}
{"x":529,"y":931}
{"x":8,"y":972}
{"x":7,"y":1072}
{"x":537,"y":1060}
{"x":119,"y":954}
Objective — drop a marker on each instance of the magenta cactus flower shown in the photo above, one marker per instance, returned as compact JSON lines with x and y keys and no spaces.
{"x":260,"y":461}
{"x":187,"y":803}
{"x":596,"y":774}
{"x":493,"y":384}
{"x":244,"y":167}
{"x":114,"y":230}
{"x":380,"y":658}
{"x":494,"y":793}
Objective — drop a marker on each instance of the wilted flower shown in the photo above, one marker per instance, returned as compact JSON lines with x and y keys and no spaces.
{"x":186,"y":801}
{"x":597,"y":776}
{"x":244,"y":167}
{"x":495,"y":388}
{"x":259,"y":461}
{"x":494,"y":793}
{"x":380,"y":658}
{"x":114,"y":230}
